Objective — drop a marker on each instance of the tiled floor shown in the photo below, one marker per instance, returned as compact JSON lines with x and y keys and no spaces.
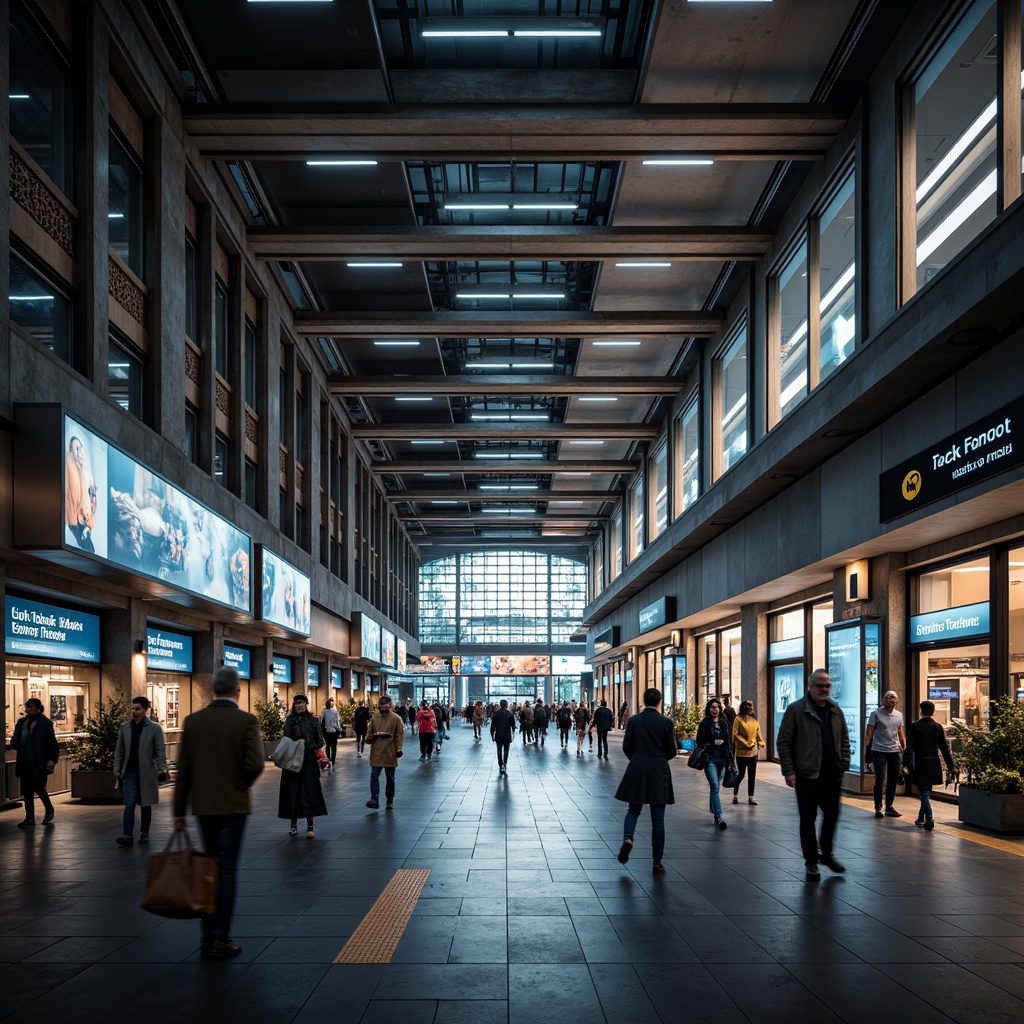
{"x":526,"y":915}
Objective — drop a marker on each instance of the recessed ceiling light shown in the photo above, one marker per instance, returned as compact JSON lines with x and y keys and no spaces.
{"x":396,"y":344}
{"x":615,"y":344}
{"x":414,"y":398}
{"x":507,"y":487}
{"x":464,"y":33}
{"x":679,"y":161}
{"x":373,"y":264}
{"x":596,"y":398}
{"x":644,"y":263}
{"x":561,"y":502}
{"x":508,"y":417}
{"x":328,"y":162}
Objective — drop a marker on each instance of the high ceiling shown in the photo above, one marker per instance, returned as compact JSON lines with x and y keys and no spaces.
{"x":464,"y":248}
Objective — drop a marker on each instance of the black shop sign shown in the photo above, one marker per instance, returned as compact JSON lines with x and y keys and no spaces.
{"x":988,"y":446}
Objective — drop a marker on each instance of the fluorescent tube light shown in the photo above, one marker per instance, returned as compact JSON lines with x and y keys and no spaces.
{"x":597,"y":398}
{"x":115,"y":216}
{"x":327,"y":162}
{"x":464,"y":33}
{"x":476,"y":206}
{"x":18,"y":96}
{"x":538,"y":295}
{"x":574,"y":472}
{"x":559,"y":33}
{"x":413,"y":398}
{"x":427,"y":442}
{"x":29,"y":298}
{"x":508,"y":417}
{"x":482,"y":295}
{"x":586,"y":442}
{"x":956,"y":151}
{"x":509,"y":455}
{"x":615,"y":344}
{"x":644,"y":263}
{"x":545,"y":206}
{"x":435,"y":474}
{"x":446,"y":502}
{"x":679,"y":161}
{"x":396,"y":344}
{"x":477,"y":365}
{"x":838,"y":288}
{"x":561,"y":502}
{"x":371,"y":264}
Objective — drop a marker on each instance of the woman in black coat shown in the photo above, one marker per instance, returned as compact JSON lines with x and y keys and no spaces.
{"x":714,"y":735}
{"x":649,"y":743}
{"x":37,"y":753}
{"x":301,"y":795}
{"x":927,"y":739}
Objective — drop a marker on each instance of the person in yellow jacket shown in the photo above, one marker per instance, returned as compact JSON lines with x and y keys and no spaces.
{"x":746,"y":738}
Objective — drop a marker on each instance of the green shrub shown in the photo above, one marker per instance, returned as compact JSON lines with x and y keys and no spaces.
{"x":271,"y":717}
{"x":94,"y":752}
{"x":347,"y":713}
{"x":993,"y":759}
{"x":687,"y":718}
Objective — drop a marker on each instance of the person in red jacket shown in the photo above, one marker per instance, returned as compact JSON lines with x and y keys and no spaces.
{"x":426,"y":726}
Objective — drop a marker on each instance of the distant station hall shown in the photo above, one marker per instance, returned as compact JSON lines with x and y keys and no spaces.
{"x":429,"y":430}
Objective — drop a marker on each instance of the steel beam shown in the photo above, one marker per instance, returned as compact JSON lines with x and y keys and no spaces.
{"x":510,"y":432}
{"x":504,"y":384}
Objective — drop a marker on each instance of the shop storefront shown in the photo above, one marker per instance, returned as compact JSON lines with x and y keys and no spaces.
{"x":281,"y":672}
{"x":168,"y":677}
{"x":240,"y":659}
{"x":313,"y":675}
{"x":718,"y":664}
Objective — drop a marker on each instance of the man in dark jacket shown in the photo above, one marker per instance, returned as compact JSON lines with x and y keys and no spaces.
{"x":604,"y":719}
{"x":814,"y":750}
{"x":37,"y":749}
{"x":649,"y":743}
{"x":564,"y":719}
{"x":540,"y":722}
{"x":503,"y":725}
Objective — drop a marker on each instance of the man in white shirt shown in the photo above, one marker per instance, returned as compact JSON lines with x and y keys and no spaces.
{"x":886,"y":741}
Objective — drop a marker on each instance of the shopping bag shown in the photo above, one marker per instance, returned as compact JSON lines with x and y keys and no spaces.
{"x":322,"y":759}
{"x":289,"y":754}
{"x":180,"y":882}
{"x":698,"y":759}
{"x":731,"y":776}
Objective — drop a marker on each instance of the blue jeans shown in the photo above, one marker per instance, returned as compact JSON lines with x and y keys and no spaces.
{"x":389,"y":783}
{"x":713,"y":773}
{"x":925,"y":793}
{"x":657,"y":827}
{"x":132,"y":794}
{"x":222,"y":838}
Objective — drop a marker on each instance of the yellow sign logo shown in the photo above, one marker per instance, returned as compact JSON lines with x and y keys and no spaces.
{"x":912,"y":485}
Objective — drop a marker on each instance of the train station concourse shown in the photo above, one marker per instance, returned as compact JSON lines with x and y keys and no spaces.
{"x":461,"y":351}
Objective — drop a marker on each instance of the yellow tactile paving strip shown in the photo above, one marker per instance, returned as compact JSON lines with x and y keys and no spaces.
{"x":376,"y":938}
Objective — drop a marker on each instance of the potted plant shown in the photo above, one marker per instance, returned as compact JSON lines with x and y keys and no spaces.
{"x":92,"y":778}
{"x":347,"y":714}
{"x":687,"y":718}
{"x":271,"y":718}
{"x":991,"y":764}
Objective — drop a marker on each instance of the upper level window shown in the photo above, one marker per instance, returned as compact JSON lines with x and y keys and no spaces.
{"x":732,"y":380}
{"x":251,"y":378}
{"x":40,"y":309}
{"x":125,"y":206}
{"x":191,"y":290}
{"x":657,"y":470}
{"x":793,"y":305}
{"x":687,"y":458}
{"x":636,"y":511}
{"x":616,"y":544}
{"x":222,"y":332}
{"x":955,"y":112}
{"x":837,"y":277}
{"x":124,"y":376}
{"x":39,"y":92}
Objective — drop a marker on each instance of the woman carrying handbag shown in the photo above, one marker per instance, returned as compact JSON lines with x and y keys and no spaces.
{"x":715,"y":736}
{"x":301,"y":795}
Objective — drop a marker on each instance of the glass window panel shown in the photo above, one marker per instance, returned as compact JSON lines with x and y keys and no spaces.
{"x":191,"y":434}
{"x":961,"y":676}
{"x":124,"y":377}
{"x":221,"y":452}
{"x":734,"y":399}
{"x":658,"y":490}
{"x":1016,"y":660}
{"x":300,"y":428}
{"x":793,"y":326}
{"x":125,"y":206}
{"x":955,"y":131}
{"x":953,"y":586}
{"x":616,"y":533}
{"x":39,"y":91}
{"x":821,"y":616}
{"x":250,"y":367}
{"x":39,"y":309}
{"x":636,"y":511}
{"x":837,"y":273}
{"x":786,"y":625}
{"x":688,"y":457}
{"x":191,"y":290}
{"x":222,"y":332}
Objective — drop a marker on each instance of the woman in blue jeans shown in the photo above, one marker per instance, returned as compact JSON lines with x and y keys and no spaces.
{"x":927,"y":740}
{"x":715,"y":736}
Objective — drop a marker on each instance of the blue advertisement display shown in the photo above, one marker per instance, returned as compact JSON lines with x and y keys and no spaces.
{"x":788,"y":685}
{"x":118,"y":510}
{"x":282,"y":668}
{"x":284,"y":593}
{"x":168,"y":652}
{"x":336,"y":678}
{"x":785,"y":650}
{"x":38,"y":630}
{"x":369,"y":638}
{"x":312,"y":675}
{"x":238,"y":658}
{"x":951,"y":624}
{"x":387,"y":647}
{"x":845,"y":670}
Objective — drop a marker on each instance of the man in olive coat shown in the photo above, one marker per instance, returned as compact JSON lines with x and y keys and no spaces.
{"x":386,"y":736}
{"x":221,"y":757}
{"x":649,"y":743}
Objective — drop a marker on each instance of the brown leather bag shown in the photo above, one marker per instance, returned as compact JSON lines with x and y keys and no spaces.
{"x":180,"y":882}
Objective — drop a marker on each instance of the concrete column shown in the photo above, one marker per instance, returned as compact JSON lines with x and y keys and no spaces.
{"x":207,"y":654}
{"x":754,"y":660}
{"x":123,"y":672}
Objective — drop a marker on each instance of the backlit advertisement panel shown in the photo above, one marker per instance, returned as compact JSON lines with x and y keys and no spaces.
{"x":284,"y":593}
{"x":369,"y":639}
{"x":387,"y":647}
{"x":402,"y":651}
{"x":41,"y":630}
{"x":118,"y":510}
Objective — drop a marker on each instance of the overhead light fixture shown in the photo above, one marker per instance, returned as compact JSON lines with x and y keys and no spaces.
{"x":18,"y":96}
{"x":427,"y":442}
{"x":509,"y":455}
{"x":644,"y":263}
{"x":115,"y":216}
{"x":596,"y":398}
{"x":435,"y":474}
{"x":445,"y":502}
{"x":508,"y":487}
{"x":559,"y":33}
{"x":545,"y":206}
{"x":30,"y":298}
{"x":510,"y":417}
{"x":586,"y":442}
{"x":538,"y":295}
{"x":374,"y":264}
{"x":476,"y":206}
{"x":414,"y":398}
{"x":615,"y":344}
{"x":477,"y":365}
{"x":956,"y":218}
{"x":574,"y":472}
{"x":396,"y":344}
{"x":464,"y":33}
{"x":562,"y":502}
{"x":482,"y":295}
{"x":338,"y":162}
{"x":678,"y":161}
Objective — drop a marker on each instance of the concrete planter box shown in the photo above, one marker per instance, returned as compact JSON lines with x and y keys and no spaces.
{"x":268,"y":749}
{"x":96,"y":787}
{"x":994,"y":812}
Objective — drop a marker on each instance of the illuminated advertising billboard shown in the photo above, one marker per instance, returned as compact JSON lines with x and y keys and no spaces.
{"x":369,"y":639}
{"x":38,"y":630}
{"x":117,"y":510}
{"x":284,"y":593}
{"x":387,"y":647}
{"x":402,"y":651}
